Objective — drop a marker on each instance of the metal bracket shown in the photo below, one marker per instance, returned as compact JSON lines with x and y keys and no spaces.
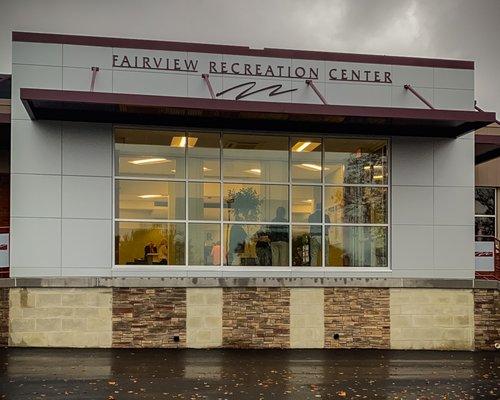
{"x":311,"y":84}
{"x":209,"y":84}
{"x":481,"y":110}
{"x":418,"y":96}
{"x":94,"y":70}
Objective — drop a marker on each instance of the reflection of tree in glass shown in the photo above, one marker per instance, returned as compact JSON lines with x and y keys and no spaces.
{"x":245,"y":203}
{"x":364,"y":205}
{"x":485,"y":201}
{"x":365,"y":167}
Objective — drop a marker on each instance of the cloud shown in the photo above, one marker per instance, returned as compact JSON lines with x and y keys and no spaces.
{"x":428,"y":28}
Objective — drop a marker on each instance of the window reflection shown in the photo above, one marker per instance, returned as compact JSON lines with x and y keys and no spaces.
{"x":264,"y":245}
{"x":280,"y":196}
{"x":306,"y":204}
{"x":355,"y":161}
{"x":485,"y":226}
{"x":204,"y":201}
{"x":255,"y":158}
{"x":356,"y":246}
{"x":203,"y":158}
{"x":306,"y":246}
{"x":150,"y":200}
{"x":485,"y":201}
{"x":145,"y":152}
{"x":356,"y":205}
{"x":142,"y":243}
{"x":204,"y":244}
{"x":250,"y":202}
{"x":306,"y":159}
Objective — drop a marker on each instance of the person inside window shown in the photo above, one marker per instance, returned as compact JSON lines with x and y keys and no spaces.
{"x":236,"y":248}
{"x":207,"y":249}
{"x":279,"y":239}
{"x":163,"y":252}
{"x":263,"y":249}
{"x":150,"y":251}
{"x":215,"y":253}
{"x":315,"y":238}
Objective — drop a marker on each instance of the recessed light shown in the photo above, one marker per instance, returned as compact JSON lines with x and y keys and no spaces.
{"x":304,"y":146}
{"x":311,"y":167}
{"x":180,"y":141}
{"x":151,"y":196}
{"x":150,"y":160}
{"x":256,"y":171}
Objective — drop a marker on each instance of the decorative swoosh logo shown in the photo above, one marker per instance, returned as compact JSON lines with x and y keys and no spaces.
{"x":275,"y":90}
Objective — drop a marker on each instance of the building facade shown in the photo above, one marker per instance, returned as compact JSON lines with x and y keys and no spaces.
{"x":180,"y":194}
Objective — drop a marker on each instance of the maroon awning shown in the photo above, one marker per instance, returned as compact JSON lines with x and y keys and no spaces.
{"x":487,"y":147}
{"x":44,"y":104}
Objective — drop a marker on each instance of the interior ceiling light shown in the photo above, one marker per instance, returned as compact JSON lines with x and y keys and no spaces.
{"x":256,"y":171}
{"x":149,"y":160}
{"x":180,"y":141}
{"x":378,"y":176}
{"x":206,"y":169}
{"x":367,"y":167}
{"x":311,"y":167}
{"x":151,"y":196}
{"x":304,"y":146}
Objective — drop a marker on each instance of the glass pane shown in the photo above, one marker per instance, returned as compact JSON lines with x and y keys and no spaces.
{"x":255,"y":202}
{"x":306,"y":159}
{"x":485,"y":226}
{"x":204,"y":155}
{"x":356,"y":246}
{"x":355,"y":161}
{"x":156,"y":153}
{"x":142,"y":243}
{"x":150,"y":200}
{"x":265,"y":245}
{"x":356,"y":205}
{"x":204,"y":244}
{"x":204,"y":201}
{"x":255,"y":158}
{"x":485,"y":201}
{"x":306,"y":246}
{"x":306,"y":204}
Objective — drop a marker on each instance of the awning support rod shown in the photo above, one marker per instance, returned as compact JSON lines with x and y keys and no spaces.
{"x":94,"y":70}
{"x":209,"y":84}
{"x":481,"y":110}
{"x":311,"y":84}
{"x":418,"y":96}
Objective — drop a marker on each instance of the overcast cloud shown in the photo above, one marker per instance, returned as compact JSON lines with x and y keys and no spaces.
{"x":462,"y":29}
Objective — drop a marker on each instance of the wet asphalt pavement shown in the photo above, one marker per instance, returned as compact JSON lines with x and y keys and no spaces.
{"x":246,"y":374}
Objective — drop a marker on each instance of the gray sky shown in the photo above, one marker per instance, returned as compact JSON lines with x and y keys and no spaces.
{"x":463,"y":29}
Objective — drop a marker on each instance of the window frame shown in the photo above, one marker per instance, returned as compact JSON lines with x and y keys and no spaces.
{"x":494,"y":215}
{"x":183,"y":270}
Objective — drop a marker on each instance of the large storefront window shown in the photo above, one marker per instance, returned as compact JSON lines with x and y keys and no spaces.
{"x":485,"y":208}
{"x":205,"y":198}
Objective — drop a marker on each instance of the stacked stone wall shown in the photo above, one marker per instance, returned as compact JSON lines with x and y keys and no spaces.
{"x":256,"y":317}
{"x":357,"y":318}
{"x":4,"y":316}
{"x":149,"y":317}
{"x":486,"y":319}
